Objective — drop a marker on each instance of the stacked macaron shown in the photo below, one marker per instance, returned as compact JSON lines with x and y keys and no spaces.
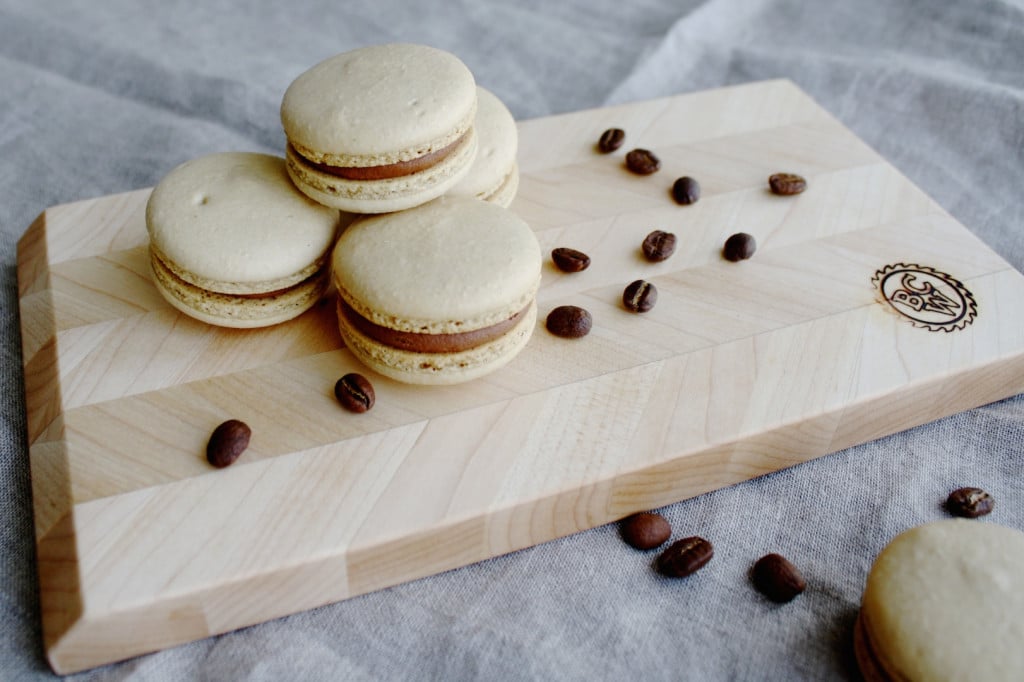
{"x":390,"y":127}
{"x":382,"y":128}
{"x":435,"y":285}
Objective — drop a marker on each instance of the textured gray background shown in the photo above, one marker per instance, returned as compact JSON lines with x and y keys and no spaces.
{"x":98,"y":98}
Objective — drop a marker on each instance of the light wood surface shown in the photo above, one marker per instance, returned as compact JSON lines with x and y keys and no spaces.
{"x":739,"y":370}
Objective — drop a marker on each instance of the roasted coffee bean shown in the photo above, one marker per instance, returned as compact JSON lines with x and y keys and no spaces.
{"x":227,"y":442}
{"x":569,"y":321}
{"x":739,"y":246}
{"x":645,"y":530}
{"x":570,"y":260}
{"x":611,"y":140}
{"x":686,"y":190}
{"x":786,"y":183}
{"x":642,"y":161}
{"x":640,"y":296}
{"x":659,"y":245}
{"x":778,"y":579}
{"x":685,"y":557}
{"x":969,"y":502}
{"x":354,"y":392}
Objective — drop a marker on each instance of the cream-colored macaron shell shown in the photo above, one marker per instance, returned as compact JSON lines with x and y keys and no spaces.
{"x":452,"y":265}
{"x":379,"y":105}
{"x":494,"y":175}
{"x":233,"y":243}
{"x":945,"y":601}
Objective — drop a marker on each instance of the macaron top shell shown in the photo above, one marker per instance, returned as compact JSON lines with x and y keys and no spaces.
{"x":945,"y":600}
{"x":452,"y":265}
{"x":379,"y":105}
{"x":496,"y":154}
{"x":234,"y":223}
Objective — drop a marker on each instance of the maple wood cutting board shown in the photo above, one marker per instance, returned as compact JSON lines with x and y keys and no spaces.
{"x":866,"y":310}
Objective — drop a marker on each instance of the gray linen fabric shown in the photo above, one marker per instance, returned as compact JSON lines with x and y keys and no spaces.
{"x":99,"y":98}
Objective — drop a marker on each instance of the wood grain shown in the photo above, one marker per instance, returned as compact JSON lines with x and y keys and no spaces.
{"x":740,"y":370}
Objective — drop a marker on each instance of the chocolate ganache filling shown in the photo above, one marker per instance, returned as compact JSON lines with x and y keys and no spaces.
{"x":428,"y":343}
{"x":391,"y":170}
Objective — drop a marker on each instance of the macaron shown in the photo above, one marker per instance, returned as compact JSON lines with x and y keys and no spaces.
{"x":438,"y":294}
{"x":233,"y":243}
{"x":494,"y":175}
{"x":381,"y":128}
{"x":945,"y":601}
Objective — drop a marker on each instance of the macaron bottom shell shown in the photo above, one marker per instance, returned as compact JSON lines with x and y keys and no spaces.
{"x":504,"y":193}
{"x":438,"y":369}
{"x":867,"y":658}
{"x":238,"y":311}
{"x":386,"y":195}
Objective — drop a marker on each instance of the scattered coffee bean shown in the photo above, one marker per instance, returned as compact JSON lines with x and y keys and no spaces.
{"x":354,"y":392}
{"x":640,"y":296}
{"x":611,"y":140}
{"x":227,"y":442}
{"x":778,"y":579}
{"x":786,"y":183}
{"x":685,"y":557}
{"x":686,"y":190}
{"x":570,"y":260}
{"x":642,"y":161}
{"x":970,"y":503}
{"x":569,"y":321}
{"x":645,"y":530}
{"x":659,"y":245}
{"x":739,"y":246}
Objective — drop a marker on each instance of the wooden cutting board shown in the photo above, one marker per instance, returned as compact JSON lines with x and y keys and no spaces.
{"x":866,"y":310}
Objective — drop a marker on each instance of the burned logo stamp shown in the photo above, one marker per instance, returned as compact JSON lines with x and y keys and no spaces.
{"x":930,"y":299}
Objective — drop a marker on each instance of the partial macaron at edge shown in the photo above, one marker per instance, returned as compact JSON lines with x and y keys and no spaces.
{"x":930,"y":579}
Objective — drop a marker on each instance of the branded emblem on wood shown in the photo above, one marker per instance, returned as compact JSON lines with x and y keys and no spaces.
{"x":930,"y":299}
